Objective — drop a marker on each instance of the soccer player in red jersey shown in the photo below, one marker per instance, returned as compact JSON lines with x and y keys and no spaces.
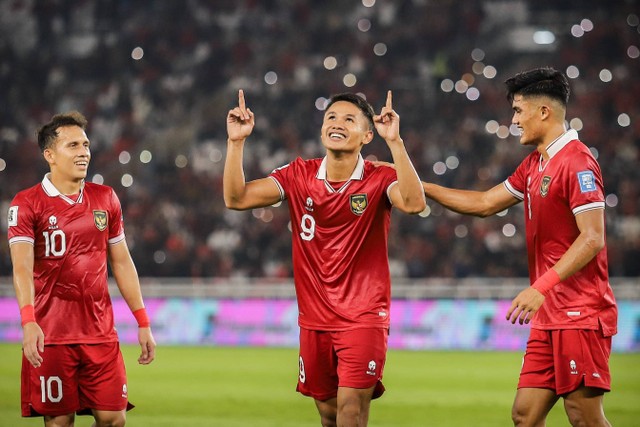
{"x":62,"y":232}
{"x":570,"y":303}
{"x":340,"y":212}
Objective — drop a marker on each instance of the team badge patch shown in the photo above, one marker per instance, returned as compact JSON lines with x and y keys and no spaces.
{"x":358,"y":203}
{"x":100,"y":220}
{"x":587,"y":182}
{"x":544,"y":185}
{"x":12,"y":219}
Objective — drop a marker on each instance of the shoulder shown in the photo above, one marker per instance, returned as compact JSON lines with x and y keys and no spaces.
{"x":28,"y":194}
{"x":371,"y":170}
{"x":98,"y":189}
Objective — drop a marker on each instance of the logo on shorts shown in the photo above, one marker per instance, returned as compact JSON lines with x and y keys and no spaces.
{"x":372,"y":368}
{"x":358,"y":203}
{"x":574,"y":368}
{"x":124,"y":391}
{"x":100,"y":220}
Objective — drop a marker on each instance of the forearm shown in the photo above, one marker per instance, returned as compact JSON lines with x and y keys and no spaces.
{"x":126,"y":278}
{"x":233,"y":180}
{"x":409,"y":182}
{"x":466,"y":202}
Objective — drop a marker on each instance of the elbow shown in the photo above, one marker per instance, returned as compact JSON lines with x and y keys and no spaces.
{"x":416,"y":206}
{"x":595,"y":242}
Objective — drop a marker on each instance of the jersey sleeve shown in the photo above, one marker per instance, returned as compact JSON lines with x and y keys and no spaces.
{"x":116,"y":222}
{"x":584,"y":185}
{"x":20,"y":221}
{"x":516,"y":184}
{"x":282,"y":176}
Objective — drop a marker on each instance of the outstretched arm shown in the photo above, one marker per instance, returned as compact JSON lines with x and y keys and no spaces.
{"x":469,"y":202}
{"x":126,"y":276}
{"x":408,"y":195}
{"x":239,"y":194}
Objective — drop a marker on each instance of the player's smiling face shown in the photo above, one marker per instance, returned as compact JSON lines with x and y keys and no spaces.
{"x":345,"y":128}
{"x":69,"y":156}
{"x":527,"y":117}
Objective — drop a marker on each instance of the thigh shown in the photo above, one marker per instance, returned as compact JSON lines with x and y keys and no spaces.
{"x":581,"y":357}
{"x":52,"y":389}
{"x":361,"y":356}
{"x":102,"y":380}
{"x":317,"y":376}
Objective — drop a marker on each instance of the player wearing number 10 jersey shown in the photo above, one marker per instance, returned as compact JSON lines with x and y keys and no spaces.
{"x":340,"y":210}
{"x":62,"y":232}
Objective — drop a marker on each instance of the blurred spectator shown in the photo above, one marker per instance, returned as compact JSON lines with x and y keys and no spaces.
{"x":156,"y":78}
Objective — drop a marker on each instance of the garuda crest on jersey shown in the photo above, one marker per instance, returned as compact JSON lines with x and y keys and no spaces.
{"x":544,"y":185}
{"x":358,"y":203}
{"x":100,"y":220}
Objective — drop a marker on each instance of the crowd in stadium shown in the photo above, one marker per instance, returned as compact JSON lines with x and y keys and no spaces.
{"x":156,"y":79}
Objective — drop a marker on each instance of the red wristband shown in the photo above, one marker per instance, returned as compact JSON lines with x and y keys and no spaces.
{"x":142,"y":318}
{"x":547,"y":281}
{"x":27,"y":314}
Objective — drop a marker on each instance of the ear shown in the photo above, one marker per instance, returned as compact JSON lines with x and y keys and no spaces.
{"x":545,"y":112}
{"x":49,"y":155}
{"x":368,"y":137}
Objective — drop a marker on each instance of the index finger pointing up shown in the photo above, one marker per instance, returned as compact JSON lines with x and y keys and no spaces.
{"x":241,"y":99}
{"x":389,"y":100}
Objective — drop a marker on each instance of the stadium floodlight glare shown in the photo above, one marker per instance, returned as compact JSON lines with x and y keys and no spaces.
{"x":543,"y":37}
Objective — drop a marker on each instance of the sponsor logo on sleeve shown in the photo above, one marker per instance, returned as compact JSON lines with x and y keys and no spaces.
{"x":12,"y":219}
{"x":587,"y":181}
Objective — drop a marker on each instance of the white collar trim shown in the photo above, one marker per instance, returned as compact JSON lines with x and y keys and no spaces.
{"x":358,"y":174}
{"x":560,"y":142}
{"x":52,"y":191}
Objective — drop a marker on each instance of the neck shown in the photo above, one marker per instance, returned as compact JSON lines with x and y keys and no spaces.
{"x":66,"y":186}
{"x":550,"y":137}
{"x":340,"y":166}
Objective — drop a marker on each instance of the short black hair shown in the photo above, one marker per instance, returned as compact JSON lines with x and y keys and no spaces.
{"x":544,"y":81}
{"x":48,"y":133}
{"x":356,"y":100}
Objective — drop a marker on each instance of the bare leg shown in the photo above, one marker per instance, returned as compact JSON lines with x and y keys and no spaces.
{"x":353,"y":406}
{"x":60,"y":421}
{"x":531,"y":406}
{"x":109,"y":418}
{"x":328,"y":410}
{"x":584,"y":407}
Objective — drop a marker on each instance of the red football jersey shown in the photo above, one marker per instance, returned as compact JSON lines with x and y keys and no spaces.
{"x":70,"y":238}
{"x":569,"y":183}
{"x":339,"y":233}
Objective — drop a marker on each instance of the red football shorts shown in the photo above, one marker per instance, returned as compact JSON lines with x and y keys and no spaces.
{"x":329,"y":360}
{"x":562,"y":360}
{"x":75,"y":378}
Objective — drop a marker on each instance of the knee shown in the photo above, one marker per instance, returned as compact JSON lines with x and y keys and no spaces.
{"x":117,"y":419}
{"x":575,"y":414}
{"x":521,"y":417}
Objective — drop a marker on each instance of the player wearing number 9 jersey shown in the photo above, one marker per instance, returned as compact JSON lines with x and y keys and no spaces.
{"x":62,"y":232}
{"x":339,"y":243}
{"x":340,"y":212}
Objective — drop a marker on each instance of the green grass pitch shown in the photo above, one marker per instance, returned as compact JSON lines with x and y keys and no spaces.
{"x":255,"y":387}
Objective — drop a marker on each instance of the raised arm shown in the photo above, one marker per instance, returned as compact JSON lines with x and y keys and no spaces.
{"x":126,"y":276}
{"x":408,"y":195}
{"x":469,"y":202}
{"x":239,"y":194}
{"x":32,"y":335}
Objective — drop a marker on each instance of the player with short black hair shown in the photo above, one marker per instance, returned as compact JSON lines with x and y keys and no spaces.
{"x":570,"y":303}
{"x":340,"y":208}
{"x":62,"y":234}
